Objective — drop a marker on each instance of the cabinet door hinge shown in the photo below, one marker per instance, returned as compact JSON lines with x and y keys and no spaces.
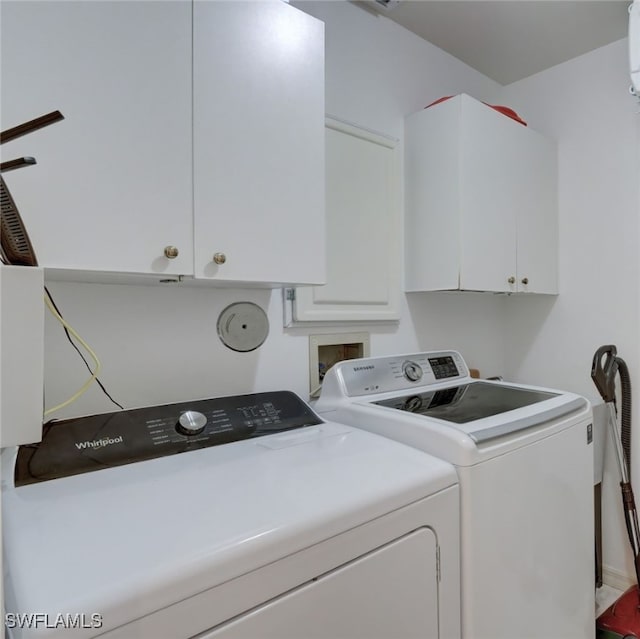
{"x":290,"y":294}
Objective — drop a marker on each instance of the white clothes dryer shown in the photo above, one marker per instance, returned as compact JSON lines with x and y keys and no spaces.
{"x":270,"y":523}
{"x":525,"y":464}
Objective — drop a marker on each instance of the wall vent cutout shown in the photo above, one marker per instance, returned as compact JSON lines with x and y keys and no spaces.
{"x":327,"y":350}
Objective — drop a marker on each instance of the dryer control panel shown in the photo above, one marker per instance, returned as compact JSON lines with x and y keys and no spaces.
{"x":384,"y":374}
{"x":84,"y":444}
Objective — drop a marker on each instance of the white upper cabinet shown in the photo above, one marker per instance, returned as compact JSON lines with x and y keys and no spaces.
{"x":364,"y":229}
{"x":258,"y":143}
{"x":112,"y":187}
{"x":481,"y":201}
{"x":193,"y":139}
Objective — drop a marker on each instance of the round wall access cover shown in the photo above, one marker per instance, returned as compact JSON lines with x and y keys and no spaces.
{"x":243,"y":326}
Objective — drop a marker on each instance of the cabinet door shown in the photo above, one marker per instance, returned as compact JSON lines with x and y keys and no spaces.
{"x":363,"y":230}
{"x":489,"y":198}
{"x":537,"y":215}
{"x":258,"y":143}
{"x":481,"y":201}
{"x":112,"y":187}
{"x":432,"y":198}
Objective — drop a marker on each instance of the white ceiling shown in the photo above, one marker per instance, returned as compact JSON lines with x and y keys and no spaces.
{"x":508,"y":40}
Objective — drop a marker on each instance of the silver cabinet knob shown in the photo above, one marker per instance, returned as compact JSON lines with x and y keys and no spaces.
{"x":525,"y":280}
{"x":219,"y":258}
{"x":171,"y":252}
{"x":512,"y":280}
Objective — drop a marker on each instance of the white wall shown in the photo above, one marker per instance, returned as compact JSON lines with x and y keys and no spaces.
{"x":585,"y":105}
{"x":378,"y":72}
{"x":159,"y":343}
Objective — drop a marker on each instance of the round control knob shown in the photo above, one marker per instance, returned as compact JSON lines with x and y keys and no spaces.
{"x":219,"y":258}
{"x":512,"y":280}
{"x":525,"y":280}
{"x":171,"y":252}
{"x":191,"y":422}
{"x":412,"y":371}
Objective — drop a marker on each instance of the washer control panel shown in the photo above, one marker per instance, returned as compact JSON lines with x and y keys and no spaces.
{"x":84,"y":444}
{"x":443,"y":367}
{"x":383,"y":374}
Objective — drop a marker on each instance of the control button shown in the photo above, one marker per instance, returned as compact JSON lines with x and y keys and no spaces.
{"x":412,"y":371}
{"x":191,"y":422}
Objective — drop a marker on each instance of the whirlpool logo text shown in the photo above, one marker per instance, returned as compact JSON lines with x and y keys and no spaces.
{"x":99,"y":443}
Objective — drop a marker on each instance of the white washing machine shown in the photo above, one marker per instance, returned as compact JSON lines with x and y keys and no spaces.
{"x":525,"y":464}
{"x":270,"y":523}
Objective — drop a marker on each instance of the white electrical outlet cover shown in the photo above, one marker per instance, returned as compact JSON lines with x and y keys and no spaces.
{"x":243,"y":326}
